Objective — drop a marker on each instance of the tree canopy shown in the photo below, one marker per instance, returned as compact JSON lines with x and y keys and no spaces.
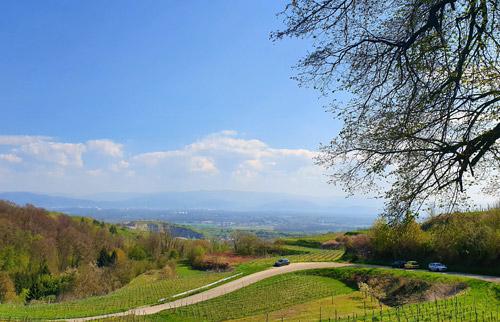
{"x":423,"y":81}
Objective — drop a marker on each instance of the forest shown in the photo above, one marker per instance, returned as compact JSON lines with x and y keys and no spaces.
{"x":47,"y":257}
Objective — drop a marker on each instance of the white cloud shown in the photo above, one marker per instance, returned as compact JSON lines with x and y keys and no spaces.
{"x":222,"y":160}
{"x":228,"y":132}
{"x":21,"y":139}
{"x":224,"y":153}
{"x":233,"y":162}
{"x":106,"y":147}
{"x":63,"y":154}
{"x":248,"y":169}
{"x":43,"y":148}
{"x":296,"y":152}
{"x":47,"y":149}
{"x":12,"y":158}
{"x":257,"y":165}
{"x":203,"y":164}
{"x":227,"y":143}
{"x":153,"y":158}
{"x":120,"y":165}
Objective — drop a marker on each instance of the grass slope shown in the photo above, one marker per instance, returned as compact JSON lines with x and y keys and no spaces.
{"x":309,"y":255}
{"x":321,"y":309}
{"x":268,"y":295}
{"x":309,"y":295}
{"x":145,"y":289}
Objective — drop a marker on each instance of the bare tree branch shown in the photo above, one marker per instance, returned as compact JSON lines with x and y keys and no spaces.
{"x":424,"y":78}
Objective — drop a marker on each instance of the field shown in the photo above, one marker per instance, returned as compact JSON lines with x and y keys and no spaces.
{"x":323,"y":308}
{"x":354,"y":307}
{"x":267,"y":295}
{"x":313,"y":296}
{"x":313,"y":241}
{"x":309,"y":255}
{"x":146,"y":289}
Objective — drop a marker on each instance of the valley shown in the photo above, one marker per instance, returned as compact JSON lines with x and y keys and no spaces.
{"x":198,"y":277}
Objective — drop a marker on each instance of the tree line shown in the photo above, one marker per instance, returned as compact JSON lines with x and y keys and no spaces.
{"x":469,"y":241}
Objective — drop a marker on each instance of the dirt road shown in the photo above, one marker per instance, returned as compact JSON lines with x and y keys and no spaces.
{"x":245,"y":281}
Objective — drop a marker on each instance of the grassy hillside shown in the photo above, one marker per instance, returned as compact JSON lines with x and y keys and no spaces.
{"x":51,"y":259}
{"x":150,"y":287}
{"x":146,"y":289}
{"x":331,"y":294}
{"x":270,"y":294}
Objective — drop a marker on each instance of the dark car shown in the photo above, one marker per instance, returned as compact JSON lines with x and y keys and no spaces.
{"x":399,"y":264}
{"x":281,"y":262}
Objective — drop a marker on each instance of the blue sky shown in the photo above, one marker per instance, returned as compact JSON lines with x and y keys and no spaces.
{"x":149,"y":96}
{"x":154,"y":73}
{"x":155,"y":96}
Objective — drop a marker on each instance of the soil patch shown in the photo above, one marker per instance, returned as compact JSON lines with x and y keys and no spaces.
{"x":398,"y":290}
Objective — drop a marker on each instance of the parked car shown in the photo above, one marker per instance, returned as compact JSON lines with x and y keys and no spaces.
{"x":412,"y":265}
{"x":437,"y":267}
{"x":398,"y":264}
{"x":281,"y":262}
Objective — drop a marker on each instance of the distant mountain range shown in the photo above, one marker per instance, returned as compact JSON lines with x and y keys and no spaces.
{"x":214,"y":200}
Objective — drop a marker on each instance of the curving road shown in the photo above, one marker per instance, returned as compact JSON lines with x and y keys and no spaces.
{"x":219,"y":290}
{"x":245,"y":281}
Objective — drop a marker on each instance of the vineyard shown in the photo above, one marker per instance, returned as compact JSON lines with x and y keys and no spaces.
{"x":308,"y":255}
{"x":317,"y":256}
{"x":354,"y":307}
{"x":307,"y":297}
{"x":149,"y":289}
{"x":269,"y":294}
{"x":146,"y":289}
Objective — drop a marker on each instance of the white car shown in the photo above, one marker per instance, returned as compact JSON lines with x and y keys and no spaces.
{"x":437,"y":267}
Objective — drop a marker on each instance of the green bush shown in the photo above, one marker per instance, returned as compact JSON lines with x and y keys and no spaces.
{"x":137,"y":253}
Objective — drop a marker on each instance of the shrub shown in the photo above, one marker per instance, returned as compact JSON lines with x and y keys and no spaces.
{"x":332,"y":244}
{"x":137,"y":253}
{"x":358,"y":247}
{"x":305,"y":243}
{"x":212,"y":263}
{"x":248,"y":244}
{"x":7,"y":288}
{"x":169,"y":270}
{"x":89,"y":281}
{"x":173,"y":254}
{"x":106,"y":259}
{"x":405,"y":240}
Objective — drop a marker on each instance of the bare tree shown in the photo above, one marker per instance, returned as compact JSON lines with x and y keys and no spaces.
{"x":423,"y":81}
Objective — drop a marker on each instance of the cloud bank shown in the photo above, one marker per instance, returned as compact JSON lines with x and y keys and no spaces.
{"x":222,"y":160}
